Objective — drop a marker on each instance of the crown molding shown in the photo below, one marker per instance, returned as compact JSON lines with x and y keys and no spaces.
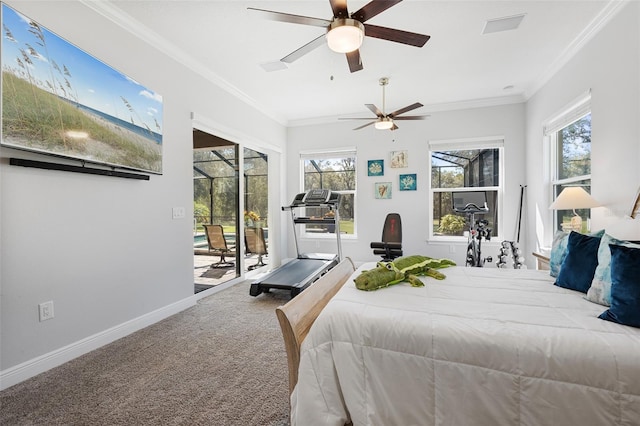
{"x":610,"y":10}
{"x":131,"y":25}
{"x":433,"y":108}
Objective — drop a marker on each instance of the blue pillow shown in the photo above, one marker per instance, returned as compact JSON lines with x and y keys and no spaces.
{"x":625,"y":286}
{"x":559,"y":250}
{"x":600,"y":290}
{"x":580,"y":263}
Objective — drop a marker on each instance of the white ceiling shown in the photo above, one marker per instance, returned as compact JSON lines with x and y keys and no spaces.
{"x":458,"y":66}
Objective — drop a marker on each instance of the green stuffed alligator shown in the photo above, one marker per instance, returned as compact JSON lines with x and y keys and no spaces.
{"x":406,"y":268}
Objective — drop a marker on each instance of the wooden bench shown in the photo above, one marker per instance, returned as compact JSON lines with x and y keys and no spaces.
{"x":298,"y":315}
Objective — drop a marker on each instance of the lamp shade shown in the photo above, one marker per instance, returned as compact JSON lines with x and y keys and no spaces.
{"x":345,"y":35}
{"x":574,"y":197}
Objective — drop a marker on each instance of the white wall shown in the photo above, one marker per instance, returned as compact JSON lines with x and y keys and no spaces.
{"x":105,"y":250}
{"x":506,"y":121}
{"x":609,"y":66}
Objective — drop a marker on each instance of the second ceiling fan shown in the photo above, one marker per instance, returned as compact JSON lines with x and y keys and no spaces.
{"x":345,"y":32}
{"x":386,"y":121}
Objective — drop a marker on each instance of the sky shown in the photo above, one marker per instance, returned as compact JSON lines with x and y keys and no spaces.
{"x":93,"y":83}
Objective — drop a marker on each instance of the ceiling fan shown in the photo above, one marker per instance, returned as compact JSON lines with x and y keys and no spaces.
{"x":387,"y":121}
{"x":345,"y":31}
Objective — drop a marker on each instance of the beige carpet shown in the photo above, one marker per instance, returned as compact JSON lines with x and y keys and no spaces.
{"x":221,"y":362}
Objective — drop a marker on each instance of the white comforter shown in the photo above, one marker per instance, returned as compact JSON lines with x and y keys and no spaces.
{"x":483,"y":347}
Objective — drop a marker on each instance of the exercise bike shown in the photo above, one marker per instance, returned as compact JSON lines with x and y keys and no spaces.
{"x":478,"y":229}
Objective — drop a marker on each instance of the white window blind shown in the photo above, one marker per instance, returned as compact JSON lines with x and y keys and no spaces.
{"x":461,"y":144}
{"x":328,"y":154}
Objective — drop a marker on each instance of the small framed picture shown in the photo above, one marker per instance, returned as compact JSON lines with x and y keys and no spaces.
{"x":383,"y":190}
{"x":399,"y":159}
{"x":408,"y":182}
{"x":375,"y":167}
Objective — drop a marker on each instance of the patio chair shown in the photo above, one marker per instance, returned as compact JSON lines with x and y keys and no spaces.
{"x":218,"y":244}
{"x":255,"y":243}
{"x":391,"y":245}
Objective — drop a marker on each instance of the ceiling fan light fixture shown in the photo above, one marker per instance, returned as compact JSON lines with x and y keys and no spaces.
{"x":384,"y":123}
{"x":345,"y":35}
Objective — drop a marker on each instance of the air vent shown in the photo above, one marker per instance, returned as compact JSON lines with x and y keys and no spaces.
{"x":502,"y":24}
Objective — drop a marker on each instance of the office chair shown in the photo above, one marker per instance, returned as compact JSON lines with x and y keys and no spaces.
{"x":391,"y":245}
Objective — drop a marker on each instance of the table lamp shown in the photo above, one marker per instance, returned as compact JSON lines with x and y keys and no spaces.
{"x":572,"y":198}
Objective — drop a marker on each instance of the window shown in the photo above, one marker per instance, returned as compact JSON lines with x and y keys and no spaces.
{"x":335,"y":171}
{"x":570,"y":141}
{"x":473,"y":165}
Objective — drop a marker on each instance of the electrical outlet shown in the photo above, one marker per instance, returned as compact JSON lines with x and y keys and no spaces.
{"x":46,"y":310}
{"x":452,"y":248}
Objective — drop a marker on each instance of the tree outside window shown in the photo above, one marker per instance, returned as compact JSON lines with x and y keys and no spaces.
{"x":337,"y":172}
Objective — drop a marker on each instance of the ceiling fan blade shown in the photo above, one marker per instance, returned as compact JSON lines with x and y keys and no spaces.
{"x":339,"y":8}
{"x":394,"y":127}
{"x":292,"y":19}
{"x":354,"y":60}
{"x":374,"y":109}
{"x":412,"y":117}
{"x":405,"y":109}
{"x":354,"y":118}
{"x":298,"y":53}
{"x":398,"y":36}
{"x":373,"y":8}
{"x":365,"y":125}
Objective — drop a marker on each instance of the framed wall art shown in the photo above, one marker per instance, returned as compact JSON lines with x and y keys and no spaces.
{"x":383,"y":190}
{"x":60,"y":101}
{"x":375,"y":168}
{"x":408,"y":182}
{"x":399,"y":159}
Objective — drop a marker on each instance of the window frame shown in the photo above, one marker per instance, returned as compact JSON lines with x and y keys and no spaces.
{"x":492,"y":142}
{"x":574,"y":111}
{"x":323,"y":155}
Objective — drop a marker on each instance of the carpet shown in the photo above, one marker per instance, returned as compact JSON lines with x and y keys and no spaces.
{"x":221,"y":362}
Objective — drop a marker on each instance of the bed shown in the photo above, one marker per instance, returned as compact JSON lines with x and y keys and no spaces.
{"x":485,"y":346}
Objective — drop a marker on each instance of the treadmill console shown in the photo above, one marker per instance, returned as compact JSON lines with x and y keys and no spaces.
{"x":316,"y":196}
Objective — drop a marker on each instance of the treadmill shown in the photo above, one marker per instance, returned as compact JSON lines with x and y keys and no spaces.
{"x":301,"y":272}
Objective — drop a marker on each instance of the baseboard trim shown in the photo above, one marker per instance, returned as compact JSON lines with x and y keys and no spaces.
{"x":16,"y":374}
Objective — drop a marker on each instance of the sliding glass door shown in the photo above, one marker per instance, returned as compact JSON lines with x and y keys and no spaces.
{"x":216,"y":228}
{"x":256,"y":208}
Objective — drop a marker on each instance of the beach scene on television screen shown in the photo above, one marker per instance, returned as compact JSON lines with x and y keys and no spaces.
{"x":58,"y":99}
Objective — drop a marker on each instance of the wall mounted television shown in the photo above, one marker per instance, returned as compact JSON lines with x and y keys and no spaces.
{"x":61,"y":101}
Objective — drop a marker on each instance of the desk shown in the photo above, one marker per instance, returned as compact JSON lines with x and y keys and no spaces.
{"x":542,"y":261}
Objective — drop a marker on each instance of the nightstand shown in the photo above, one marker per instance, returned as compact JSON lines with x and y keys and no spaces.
{"x":542,"y":261}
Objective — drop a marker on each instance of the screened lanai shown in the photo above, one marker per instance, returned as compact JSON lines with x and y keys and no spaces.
{"x":460,"y":171}
{"x":216,"y":175}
